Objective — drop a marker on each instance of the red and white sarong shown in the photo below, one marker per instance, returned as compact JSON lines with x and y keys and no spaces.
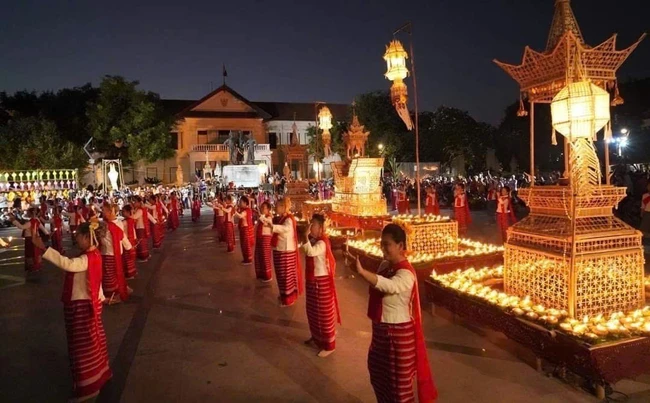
{"x":263,"y":258}
{"x":157,"y":234}
{"x":86,"y":348}
{"x":33,"y":256}
{"x":229,"y":235}
{"x":246,"y":243}
{"x":285,"y":264}
{"x":321,"y":312}
{"x":503,"y":222}
{"x":392,"y":361}
{"x":128,"y":257}
{"x":109,"y":277}
{"x":143,"y":244}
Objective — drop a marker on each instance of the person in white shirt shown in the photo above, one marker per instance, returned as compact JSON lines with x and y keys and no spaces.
{"x":285,"y":254}
{"x":82,"y":296}
{"x":112,"y":248}
{"x":322,"y":304}
{"x":142,"y":218}
{"x":263,"y":252}
{"x":397,"y":352}
{"x":31,"y":229}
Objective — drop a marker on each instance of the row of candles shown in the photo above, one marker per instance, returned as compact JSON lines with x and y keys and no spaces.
{"x":592,"y":328}
{"x":410,"y":219}
{"x":471,"y":248}
{"x":6,"y":186}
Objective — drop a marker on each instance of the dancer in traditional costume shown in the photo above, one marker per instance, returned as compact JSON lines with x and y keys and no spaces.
{"x":491,"y":204}
{"x":142,"y":219}
{"x":196,"y":209}
{"x":402,"y":201}
{"x":397,"y":354}
{"x":461,"y":209}
{"x":245,"y":224}
{"x":56,"y":229}
{"x":174,"y":208}
{"x":31,"y":228}
{"x":82,"y":296}
{"x":263,"y":252}
{"x":322,"y":304}
{"x":431,"y":205}
{"x":129,"y":256}
{"x":73,"y":213}
{"x":505,"y":214}
{"x":285,"y":254}
{"x":228,"y":226}
{"x":112,"y":247}
{"x":158,"y":228}
{"x":221,"y":231}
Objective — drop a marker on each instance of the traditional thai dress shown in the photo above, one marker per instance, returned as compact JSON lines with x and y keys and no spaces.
{"x":228,"y":227}
{"x":431,"y":205}
{"x":322,"y":304}
{"x":263,"y":252}
{"x":461,"y":212}
{"x":56,"y":229}
{"x":246,"y":239}
{"x":173,"y":220}
{"x":196,"y":210}
{"x":221,"y":230}
{"x":397,"y":352}
{"x":285,"y":259}
{"x":82,"y":296}
{"x":158,"y":228}
{"x":112,"y":246}
{"x":505,"y":216}
{"x":492,"y":197}
{"x":402,"y":202}
{"x":129,"y":256}
{"x":33,"y":254}
{"x":142,"y":219}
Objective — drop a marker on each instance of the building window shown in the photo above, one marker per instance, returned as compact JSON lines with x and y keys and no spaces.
{"x":152,"y":172}
{"x":273,"y":141}
{"x":201,"y":137}
{"x":223,"y":136}
{"x":174,"y":141}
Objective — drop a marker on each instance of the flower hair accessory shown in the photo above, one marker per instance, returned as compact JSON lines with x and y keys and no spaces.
{"x":94,"y":225}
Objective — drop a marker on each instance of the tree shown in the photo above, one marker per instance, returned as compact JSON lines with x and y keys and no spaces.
{"x":376,"y":112}
{"x":34,"y":143}
{"x":129,"y":123}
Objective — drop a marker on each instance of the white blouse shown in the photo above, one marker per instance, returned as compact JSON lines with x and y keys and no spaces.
{"x":78,"y":266}
{"x":396,"y":304}
{"x":106,"y":245}
{"x":318,"y":252}
{"x":286,"y":236}
{"x":266,"y":230}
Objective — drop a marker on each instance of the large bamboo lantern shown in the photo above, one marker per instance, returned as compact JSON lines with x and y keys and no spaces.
{"x":580,"y":110}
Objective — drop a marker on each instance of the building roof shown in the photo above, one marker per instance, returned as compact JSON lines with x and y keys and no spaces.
{"x":300,"y":111}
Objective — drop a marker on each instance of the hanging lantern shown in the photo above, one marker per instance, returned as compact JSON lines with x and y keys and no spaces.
{"x":261,"y":167}
{"x":396,"y":72}
{"x":580,"y":110}
{"x":318,"y":166}
{"x":325,"y":123}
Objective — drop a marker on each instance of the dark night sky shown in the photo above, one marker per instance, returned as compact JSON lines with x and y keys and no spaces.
{"x":298,"y":51}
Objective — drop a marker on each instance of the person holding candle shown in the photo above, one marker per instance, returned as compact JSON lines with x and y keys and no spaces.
{"x":431,"y":204}
{"x":505,"y":214}
{"x":461,"y":209}
{"x":142,"y":219}
{"x":129,"y":256}
{"x":31,"y":228}
{"x":196,"y":209}
{"x":245,"y":224}
{"x":322,"y":304}
{"x":397,"y":353}
{"x":174,"y":206}
{"x":82,"y":306}
{"x":228,"y":226}
{"x":288,"y":270}
{"x":112,"y":246}
{"x":402,"y":201}
{"x":263,"y":252}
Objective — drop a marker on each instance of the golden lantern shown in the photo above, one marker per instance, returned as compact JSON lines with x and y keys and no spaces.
{"x":396,"y":72}
{"x":325,"y":124}
{"x":580,"y":110}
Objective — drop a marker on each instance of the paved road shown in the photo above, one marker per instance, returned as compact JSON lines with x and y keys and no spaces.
{"x":200,"y":328}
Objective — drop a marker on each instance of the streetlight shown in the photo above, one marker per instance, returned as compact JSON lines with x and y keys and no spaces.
{"x":380,"y":147}
{"x":396,"y":71}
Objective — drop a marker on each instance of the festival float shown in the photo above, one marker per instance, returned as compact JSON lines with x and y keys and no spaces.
{"x":572,"y":285}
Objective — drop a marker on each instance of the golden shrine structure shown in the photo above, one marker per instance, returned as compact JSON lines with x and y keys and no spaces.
{"x":573,"y":274}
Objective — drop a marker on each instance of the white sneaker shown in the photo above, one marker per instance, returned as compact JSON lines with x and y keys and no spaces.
{"x":325,"y":353}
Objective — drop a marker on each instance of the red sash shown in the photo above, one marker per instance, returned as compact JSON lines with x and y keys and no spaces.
{"x":431,"y":199}
{"x":117,"y":234}
{"x":58,"y":223}
{"x":427,"y":391}
{"x":34,"y":226}
{"x":160,"y":212}
{"x":145,"y":220}
{"x":260,"y":227}
{"x":130,"y":229}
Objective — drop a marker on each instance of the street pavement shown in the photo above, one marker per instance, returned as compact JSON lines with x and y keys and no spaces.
{"x":199,"y":328}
